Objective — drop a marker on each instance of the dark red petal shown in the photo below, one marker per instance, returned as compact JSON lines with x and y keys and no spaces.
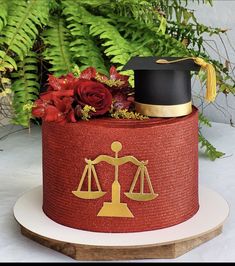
{"x":71,"y":117}
{"x":70,"y":77}
{"x":117,"y":76}
{"x":89,"y":73}
{"x":59,"y":104}
{"x":39,"y":102}
{"x":54,"y":83}
{"x":62,"y":83}
{"x":51,"y":113}
{"x":121,"y":101}
{"x":47,"y":96}
{"x":63,"y":93}
{"x":94,"y":94}
{"x":67,"y":103}
{"x":114,"y":75}
{"x":70,"y":82}
{"x":78,"y":111}
{"x":38,"y":111}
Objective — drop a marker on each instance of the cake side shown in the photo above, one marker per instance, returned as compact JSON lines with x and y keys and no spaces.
{"x":171,"y":148}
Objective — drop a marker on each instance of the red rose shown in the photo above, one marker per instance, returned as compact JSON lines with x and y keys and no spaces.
{"x":94,"y":94}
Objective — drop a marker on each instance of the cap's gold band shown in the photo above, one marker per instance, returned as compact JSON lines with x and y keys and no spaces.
{"x":164,"y":110}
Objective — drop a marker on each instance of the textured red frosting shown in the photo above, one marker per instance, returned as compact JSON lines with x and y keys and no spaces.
{"x":170,"y":146}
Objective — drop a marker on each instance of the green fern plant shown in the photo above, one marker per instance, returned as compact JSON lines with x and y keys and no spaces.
{"x":38,"y":37}
{"x":204,"y":120}
{"x":25,"y":88}
{"x":6,"y":62}
{"x":118,"y":49}
{"x":209,"y":149}
{"x":21,"y":31}
{"x":57,"y":52}
{"x":159,"y":44}
{"x":3,"y":13}
{"x":83,"y":47}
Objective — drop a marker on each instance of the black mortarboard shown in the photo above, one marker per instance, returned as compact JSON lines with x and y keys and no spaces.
{"x":163,"y":84}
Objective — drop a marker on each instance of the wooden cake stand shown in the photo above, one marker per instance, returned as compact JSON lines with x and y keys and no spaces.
{"x":170,"y":242}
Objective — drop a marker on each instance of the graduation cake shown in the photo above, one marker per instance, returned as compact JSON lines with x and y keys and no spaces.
{"x":131,"y":174}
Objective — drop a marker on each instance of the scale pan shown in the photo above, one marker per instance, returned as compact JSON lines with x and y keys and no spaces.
{"x":88,"y":194}
{"x":141,"y":196}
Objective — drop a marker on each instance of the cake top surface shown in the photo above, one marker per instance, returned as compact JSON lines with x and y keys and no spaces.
{"x":150,"y":63}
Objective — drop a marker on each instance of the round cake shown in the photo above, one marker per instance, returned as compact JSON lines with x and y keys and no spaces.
{"x":117,"y":175}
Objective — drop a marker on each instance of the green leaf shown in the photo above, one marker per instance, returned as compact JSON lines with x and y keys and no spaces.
{"x":7,"y":59}
{"x":83,"y":47}
{"x":57,"y":40}
{"x":204,"y":120}
{"x":119,"y":50}
{"x":163,"y":24}
{"x":210,"y":150}
{"x":25,"y":88}
{"x":3,"y":13}
{"x":21,"y":30}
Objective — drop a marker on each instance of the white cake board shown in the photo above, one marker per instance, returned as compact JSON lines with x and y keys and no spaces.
{"x":85,"y":245}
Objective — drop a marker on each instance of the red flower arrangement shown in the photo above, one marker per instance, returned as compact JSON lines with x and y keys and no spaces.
{"x":70,"y":98}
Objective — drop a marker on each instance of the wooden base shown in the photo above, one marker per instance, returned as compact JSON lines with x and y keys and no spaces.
{"x":82,"y":245}
{"x":99,"y":253}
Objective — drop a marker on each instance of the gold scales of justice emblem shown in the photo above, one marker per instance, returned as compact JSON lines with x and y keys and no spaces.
{"x":115,"y":208}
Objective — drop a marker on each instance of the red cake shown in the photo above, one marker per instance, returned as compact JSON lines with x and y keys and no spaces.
{"x":132,"y":174}
{"x":118,"y":175}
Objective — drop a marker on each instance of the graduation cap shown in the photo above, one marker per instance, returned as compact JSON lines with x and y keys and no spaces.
{"x":163,"y":84}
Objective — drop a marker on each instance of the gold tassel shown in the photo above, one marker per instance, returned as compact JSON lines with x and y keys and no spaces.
{"x":210,"y":71}
{"x":211,"y":78}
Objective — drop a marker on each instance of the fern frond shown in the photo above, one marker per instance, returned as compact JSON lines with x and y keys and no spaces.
{"x":145,"y":35}
{"x":21,"y":30}
{"x":6,"y":62}
{"x":25,"y":88}
{"x":118,"y":49}
{"x":54,"y":6}
{"x":210,"y":150}
{"x":140,"y":10}
{"x":94,"y":3}
{"x":57,"y":52}
{"x":3,"y":13}
{"x":84,"y":49}
{"x":204,"y":120}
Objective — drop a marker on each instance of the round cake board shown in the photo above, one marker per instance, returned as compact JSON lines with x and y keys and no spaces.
{"x":83,"y":245}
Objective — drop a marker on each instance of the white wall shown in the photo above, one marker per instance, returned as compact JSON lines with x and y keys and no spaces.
{"x":221,"y":15}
